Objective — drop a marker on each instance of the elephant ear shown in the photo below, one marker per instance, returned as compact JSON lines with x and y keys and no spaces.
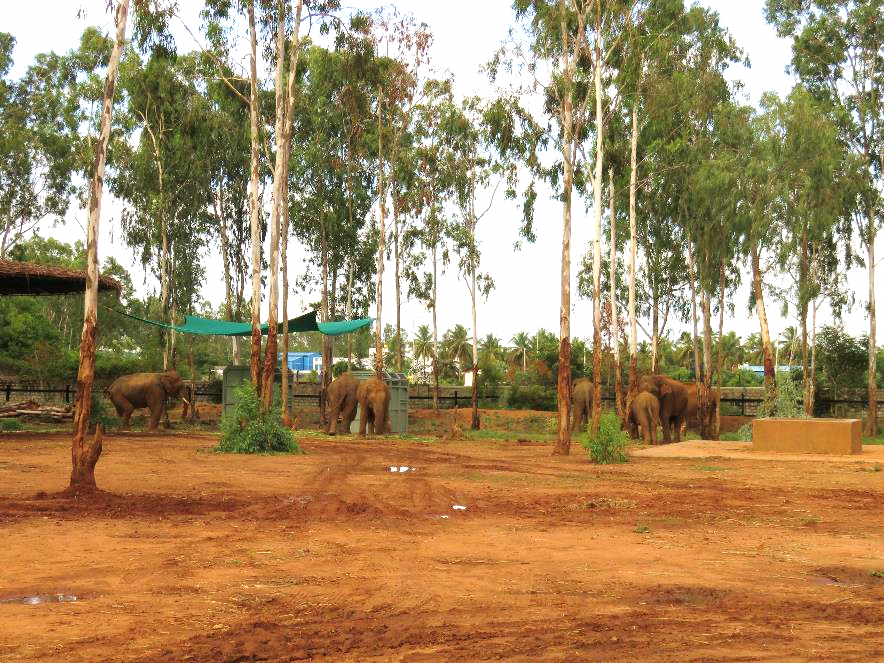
{"x":171,"y":383}
{"x":665,"y":389}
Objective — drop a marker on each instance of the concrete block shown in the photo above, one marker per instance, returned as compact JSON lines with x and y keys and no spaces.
{"x":810,"y":436}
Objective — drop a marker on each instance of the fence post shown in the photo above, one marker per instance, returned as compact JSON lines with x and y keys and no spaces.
{"x":742,"y":403}
{"x":455,"y":399}
{"x":67,"y":393}
{"x":8,"y":391}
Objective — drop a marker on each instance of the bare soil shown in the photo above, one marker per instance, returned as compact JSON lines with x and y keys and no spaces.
{"x":196,"y":556}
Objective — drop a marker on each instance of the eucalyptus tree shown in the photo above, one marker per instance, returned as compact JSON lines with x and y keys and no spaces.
{"x":164,"y":179}
{"x":838,"y":53}
{"x":555,"y":32}
{"x":436,"y":173}
{"x":84,"y":454}
{"x":41,"y":147}
{"x":810,"y":166}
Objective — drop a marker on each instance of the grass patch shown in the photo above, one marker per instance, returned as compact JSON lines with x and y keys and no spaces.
{"x":879,"y":439}
{"x":732,"y":436}
{"x":508,"y":435}
{"x":641,"y":529}
{"x":877,"y":573}
{"x":809,"y":520}
{"x":712,"y":468}
{"x":9,"y":425}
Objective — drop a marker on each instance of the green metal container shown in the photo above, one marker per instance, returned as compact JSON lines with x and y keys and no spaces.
{"x":398,"y":400}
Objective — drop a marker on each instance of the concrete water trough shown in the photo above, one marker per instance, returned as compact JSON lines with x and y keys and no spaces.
{"x":812,"y":436}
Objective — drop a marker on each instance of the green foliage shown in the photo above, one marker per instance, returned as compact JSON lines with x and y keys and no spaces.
{"x":841,"y":358}
{"x":608,"y":447}
{"x":250,"y":430}
{"x":788,"y":402}
{"x":101,"y":413}
{"x":9,"y":425}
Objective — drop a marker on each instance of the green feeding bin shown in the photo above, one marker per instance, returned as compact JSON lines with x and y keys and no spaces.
{"x":235,"y":376}
{"x":398,"y":400}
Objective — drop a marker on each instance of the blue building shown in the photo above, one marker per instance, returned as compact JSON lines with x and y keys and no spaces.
{"x":303,"y":361}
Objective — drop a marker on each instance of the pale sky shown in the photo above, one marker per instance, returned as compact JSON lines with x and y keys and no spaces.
{"x":527,"y":293}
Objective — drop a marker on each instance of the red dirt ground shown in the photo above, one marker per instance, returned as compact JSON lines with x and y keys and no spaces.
{"x":196,"y":556}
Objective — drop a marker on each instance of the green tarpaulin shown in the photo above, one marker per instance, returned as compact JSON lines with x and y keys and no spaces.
{"x":193,"y":324}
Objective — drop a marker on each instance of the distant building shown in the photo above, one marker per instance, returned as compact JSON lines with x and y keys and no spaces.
{"x":759,"y":370}
{"x":303,"y":361}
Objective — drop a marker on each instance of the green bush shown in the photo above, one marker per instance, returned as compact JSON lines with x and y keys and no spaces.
{"x":609,"y":445}
{"x":101,"y":413}
{"x":531,"y":397}
{"x":250,"y":430}
{"x":8,"y":425}
{"x":788,"y":401}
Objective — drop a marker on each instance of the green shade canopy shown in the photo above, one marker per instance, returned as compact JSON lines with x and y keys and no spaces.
{"x":193,"y":324}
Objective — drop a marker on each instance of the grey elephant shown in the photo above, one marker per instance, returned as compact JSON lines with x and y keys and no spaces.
{"x":673,"y":397}
{"x":581,"y":404}
{"x":150,"y":390}
{"x":374,"y":396}
{"x":341,"y":399}
{"x":645,"y":413}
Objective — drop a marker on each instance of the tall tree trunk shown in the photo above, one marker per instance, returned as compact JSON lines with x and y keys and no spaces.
{"x":810,"y":396}
{"x":325,"y":377}
{"x":615,"y":322}
{"x":803,"y":288}
{"x":633,"y":321}
{"x":707,"y":431}
{"x":350,"y":270}
{"x":382,"y":210}
{"x":872,"y":419}
{"x":254,"y":207}
{"x":722,"y":278}
{"x":597,"y":242}
{"x":228,"y":278}
{"x":398,"y":284}
{"x":435,"y":333}
{"x":85,"y":453}
{"x":655,"y":335}
{"x":770,"y":378}
{"x":696,"y":353}
{"x":284,"y":389}
{"x":474,"y":424}
{"x":279,"y":175}
{"x":563,"y":386}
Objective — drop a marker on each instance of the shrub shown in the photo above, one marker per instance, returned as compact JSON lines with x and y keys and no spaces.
{"x":788,"y":401}
{"x":531,"y":397}
{"x":100,"y":413}
{"x":250,"y":430}
{"x":8,"y":425}
{"x":609,"y":445}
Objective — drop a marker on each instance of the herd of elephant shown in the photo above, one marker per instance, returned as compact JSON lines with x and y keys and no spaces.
{"x":660,"y":401}
{"x":151,"y":390}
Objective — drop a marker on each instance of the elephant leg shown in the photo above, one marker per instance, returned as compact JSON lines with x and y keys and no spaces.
{"x":156,"y":414}
{"x":333,"y":419}
{"x":666,"y":422}
{"x":678,"y":423}
{"x":124,"y":411}
{"x":372,"y":422}
{"x":363,"y":420}
{"x":348,"y":415}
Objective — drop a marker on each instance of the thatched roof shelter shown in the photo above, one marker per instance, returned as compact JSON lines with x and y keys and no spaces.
{"x":27,"y":278}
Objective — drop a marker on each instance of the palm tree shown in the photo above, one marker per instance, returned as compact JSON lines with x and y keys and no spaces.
{"x":789,"y":341}
{"x":521,"y":344}
{"x":683,"y":350}
{"x":490,"y":349}
{"x":733,"y":353}
{"x":457,"y":347}
{"x":422,"y":346}
{"x":754,"y":352}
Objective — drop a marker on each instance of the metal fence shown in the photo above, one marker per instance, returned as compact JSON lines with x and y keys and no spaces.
{"x":744,"y":404}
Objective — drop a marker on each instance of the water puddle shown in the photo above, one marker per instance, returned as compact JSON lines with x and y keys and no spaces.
{"x":43,"y":598}
{"x":402,"y":468}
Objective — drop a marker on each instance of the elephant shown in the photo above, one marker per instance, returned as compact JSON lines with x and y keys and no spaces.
{"x":581,"y":404}
{"x":150,"y":390}
{"x":374,"y":396}
{"x":644,"y":412}
{"x":341,"y":399}
{"x":673,"y":398}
